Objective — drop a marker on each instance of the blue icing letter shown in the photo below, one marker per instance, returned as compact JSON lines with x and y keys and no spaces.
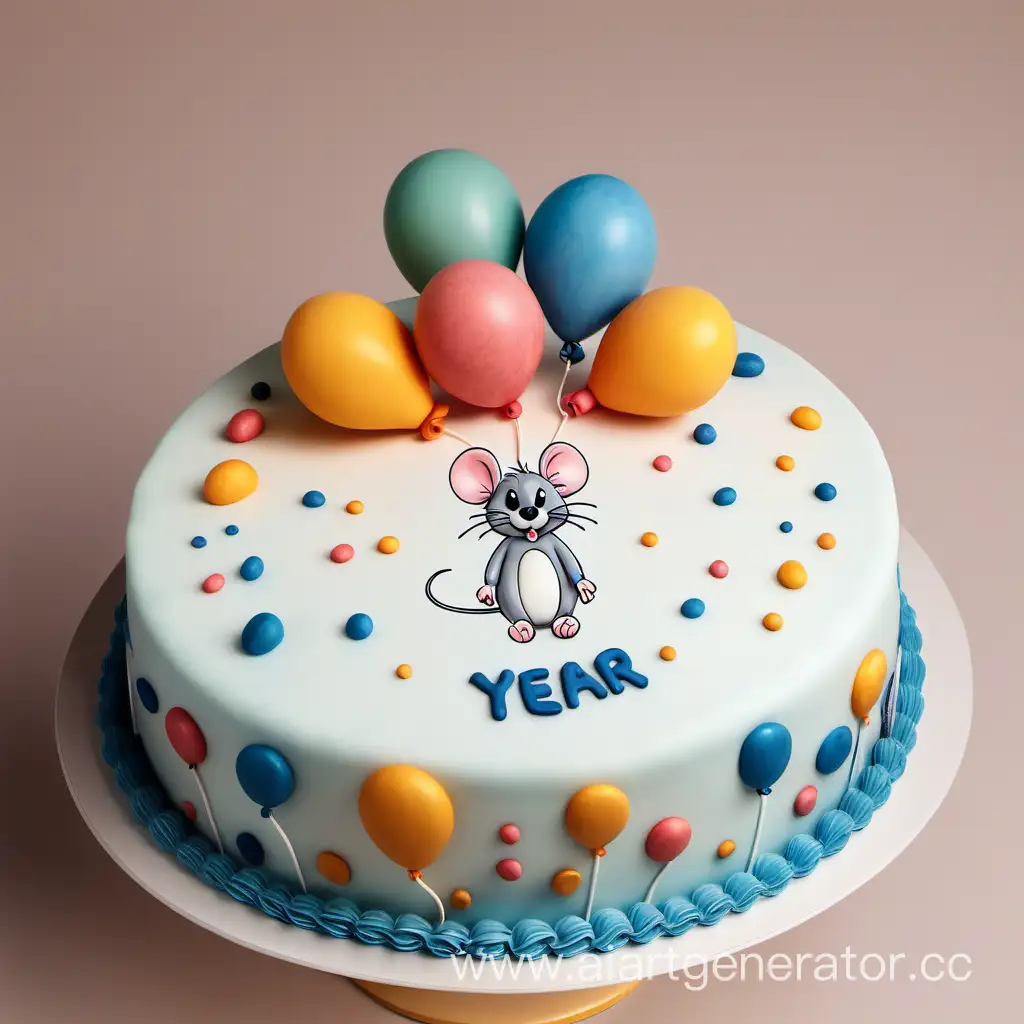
{"x":534,"y":691}
{"x":615,"y":667}
{"x":495,"y":691}
{"x":574,"y":680}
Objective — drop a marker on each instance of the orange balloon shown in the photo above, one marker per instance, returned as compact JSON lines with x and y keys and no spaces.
{"x":407,"y":813}
{"x":352,"y":362}
{"x":868,"y":682}
{"x":596,"y":815}
{"x":667,"y":353}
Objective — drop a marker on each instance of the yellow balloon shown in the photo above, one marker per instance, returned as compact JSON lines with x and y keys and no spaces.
{"x":667,"y":353}
{"x":868,"y":682}
{"x":596,"y":815}
{"x":407,"y":813}
{"x":352,"y":362}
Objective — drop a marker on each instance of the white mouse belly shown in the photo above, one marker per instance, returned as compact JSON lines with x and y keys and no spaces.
{"x":539,"y":588}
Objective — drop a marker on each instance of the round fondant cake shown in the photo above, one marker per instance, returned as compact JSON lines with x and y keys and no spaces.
{"x":673,"y":585}
{"x":612,"y":647}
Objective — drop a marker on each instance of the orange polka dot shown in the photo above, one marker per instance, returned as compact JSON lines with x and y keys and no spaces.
{"x":826,"y":541}
{"x":726,"y":848}
{"x":404,"y":671}
{"x":461,"y":899}
{"x":566,"y":882}
{"x":806,"y":418}
{"x":649,"y":539}
{"x":785,"y":463}
{"x":354,"y":508}
{"x":667,"y":654}
{"x":333,"y":867}
{"x":792,"y":575}
{"x":772,"y":621}
{"x":387,"y":545}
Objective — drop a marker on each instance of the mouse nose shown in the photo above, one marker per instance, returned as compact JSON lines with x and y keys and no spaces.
{"x":529,"y":513}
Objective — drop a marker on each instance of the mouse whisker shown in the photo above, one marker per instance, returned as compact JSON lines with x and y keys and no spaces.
{"x":569,"y":522}
{"x":571,"y":504}
{"x":470,"y":529}
{"x":565,"y":515}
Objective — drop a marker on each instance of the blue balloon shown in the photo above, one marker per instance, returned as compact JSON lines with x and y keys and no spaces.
{"x":765,"y":755}
{"x":265,"y":775}
{"x":834,"y":750}
{"x":589,"y":252}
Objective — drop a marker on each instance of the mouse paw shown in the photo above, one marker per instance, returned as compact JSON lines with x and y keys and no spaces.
{"x":565,"y":627}
{"x":522,"y":631}
{"x":485,"y":595}
{"x":587,"y":590}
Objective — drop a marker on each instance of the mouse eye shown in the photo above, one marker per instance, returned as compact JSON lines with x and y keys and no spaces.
{"x":512,"y":500}
{"x":541,"y":498}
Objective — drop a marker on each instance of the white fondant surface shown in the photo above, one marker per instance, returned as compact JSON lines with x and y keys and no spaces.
{"x":335,"y":708}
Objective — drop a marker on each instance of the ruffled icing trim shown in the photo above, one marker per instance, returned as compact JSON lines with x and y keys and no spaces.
{"x":529,"y":939}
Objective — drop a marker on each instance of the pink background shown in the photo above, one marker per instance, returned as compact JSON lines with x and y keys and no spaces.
{"x":177,"y":177}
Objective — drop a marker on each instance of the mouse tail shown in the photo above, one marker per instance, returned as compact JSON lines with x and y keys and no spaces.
{"x":451,"y":607}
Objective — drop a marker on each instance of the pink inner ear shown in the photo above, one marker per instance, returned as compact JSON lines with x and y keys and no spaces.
{"x":474,"y":475}
{"x":565,"y":467}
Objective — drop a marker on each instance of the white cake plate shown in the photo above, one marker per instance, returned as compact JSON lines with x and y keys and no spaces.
{"x":430,"y":989}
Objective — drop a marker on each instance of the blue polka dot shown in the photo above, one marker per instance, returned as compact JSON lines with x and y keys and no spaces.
{"x":692,"y":608}
{"x":359,"y":626}
{"x":231,"y":530}
{"x":704,"y":433}
{"x":250,"y":848}
{"x":313,"y":499}
{"x":150,"y":701}
{"x":825,"y":492}
{"x":748,"y":364}
{"x":251,"y":568}
{"x":834,"y":750}
{"x":198,"y":542}
{"x":262,"y":633}
{"x":786,"y":526}
{"x":260,"y":391}
{"x":724,"y":496}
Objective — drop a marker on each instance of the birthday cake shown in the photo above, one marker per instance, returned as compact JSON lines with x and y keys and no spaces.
{"x":455,"y":626}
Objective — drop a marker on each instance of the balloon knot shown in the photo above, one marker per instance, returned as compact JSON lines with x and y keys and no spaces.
{"x":191,"y":767}
{"x":764,"y":792}
{"x":600,"y":851}
{"x":513,"y":410}
{"x":415,"y":876}
{"x":433,"y":426}
{"x":571,"y":352}
{"x":264,"y":812}
{"x":579,"y":403}
{"x":867,"y":719}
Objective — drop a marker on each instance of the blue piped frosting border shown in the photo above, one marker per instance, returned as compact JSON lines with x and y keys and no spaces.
{"x":607,"y":930}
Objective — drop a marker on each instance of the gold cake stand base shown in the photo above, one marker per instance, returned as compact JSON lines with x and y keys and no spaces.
{"x":433,"y":1006}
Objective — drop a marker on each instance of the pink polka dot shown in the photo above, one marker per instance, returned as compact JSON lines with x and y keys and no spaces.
{"x":189,"y":810}
{"x":662,"y":463}
{"x":213,"y":583}
{"x":510,"y":870}
{"x":718,"y":569}
{"x":342,"y":553}
{"x":805,"y":800}
{"x":509,"y":834}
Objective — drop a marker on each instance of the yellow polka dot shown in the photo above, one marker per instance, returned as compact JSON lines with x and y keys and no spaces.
{"x":566,"y":882}
{"x":229,"y":481}
{"x":354,"y":508}
{"x":826,"y":541}
{"x":667,"y":654}
{"x":460,"y":899}
{"x":333,"y":867}
{"x":649,"y":540}
{"x":387,"y":545}
{"x":772,"y":621}
{"x":785,"y":463}
{"x":404,"y":671}
{"x":726,"y":848}
{"x":792,"y":575}
{"x":806,"y":418}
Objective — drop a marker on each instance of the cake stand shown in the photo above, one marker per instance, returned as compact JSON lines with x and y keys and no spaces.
{"x":441,"y":991}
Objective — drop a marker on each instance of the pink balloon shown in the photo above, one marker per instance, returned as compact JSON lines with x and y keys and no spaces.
{"x":480,"y":332}
{"x":668,"y":839}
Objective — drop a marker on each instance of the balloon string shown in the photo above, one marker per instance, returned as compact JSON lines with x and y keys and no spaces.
{"x":757,"y":831}
{"x":131,"y":699}
{"x":417,"y":878}
{"x":856,"y":748}
{"x":592,"y":890}
{"x":206,"y":804}
{"x":291,"y":850}
{"x":657,"y":878}
{"x":558,"y":402}
{"x":448,"y":432}
{"x":519,"y":442}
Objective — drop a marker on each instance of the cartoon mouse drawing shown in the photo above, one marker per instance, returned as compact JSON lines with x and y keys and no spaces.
{"x":532,"y":578}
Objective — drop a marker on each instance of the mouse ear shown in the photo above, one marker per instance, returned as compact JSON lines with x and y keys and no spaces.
{"x":474,"y":475}
{"x":565,"y":467}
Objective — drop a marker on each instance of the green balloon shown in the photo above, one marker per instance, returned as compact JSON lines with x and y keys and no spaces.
{"x":451,"y":205}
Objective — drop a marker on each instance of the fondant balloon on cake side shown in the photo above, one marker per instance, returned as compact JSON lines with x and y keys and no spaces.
{"x":189,"y":744}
